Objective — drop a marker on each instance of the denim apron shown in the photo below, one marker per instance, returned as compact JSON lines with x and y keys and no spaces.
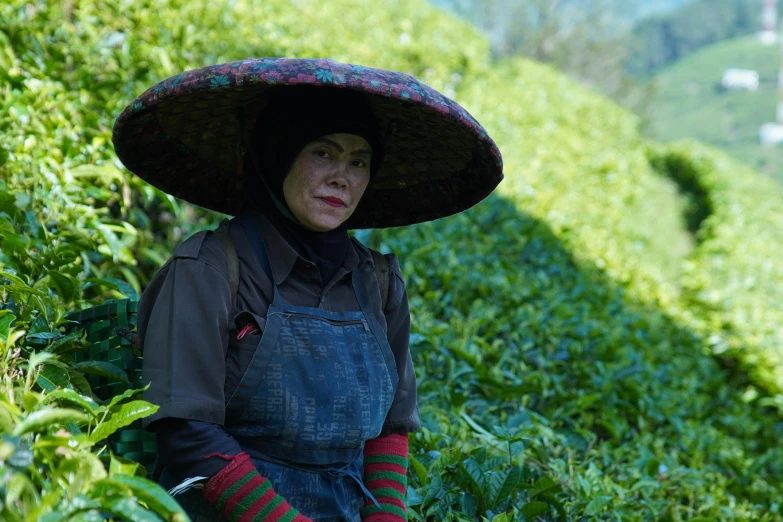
{"x":318,"y":386}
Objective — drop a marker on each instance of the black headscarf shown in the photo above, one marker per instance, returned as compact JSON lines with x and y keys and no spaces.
{"x":293,"y":118}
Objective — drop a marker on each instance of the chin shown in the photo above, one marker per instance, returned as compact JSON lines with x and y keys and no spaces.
{"x":325,"y":225}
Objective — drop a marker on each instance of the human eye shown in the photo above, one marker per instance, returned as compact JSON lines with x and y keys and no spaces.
{"x":322,"y":153}
{"x":360,"y":163}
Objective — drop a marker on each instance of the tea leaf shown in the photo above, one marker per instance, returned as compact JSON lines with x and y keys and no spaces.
{"x":468,"y":504}
{"x":148,"y":492}
{"x":52,"y":377}
{"x":102,"y":368}
{"x":544,"y":484}
{"x":79,"y":383}
{"x":121,"y":417}
{"x":504,"y":483}
{"x":73,"y":397}
{"x":533,"y":509}
{"x":433,"y":490}
{"x":58,"y":347}
{"x":475,"y":473}
{"x":44,"y":419}
{"x":5,"y":324}
{"x":597,"y":505}
{"x":126,"y":395}
{"x":128,"y":509}
{"x":418,"y":469}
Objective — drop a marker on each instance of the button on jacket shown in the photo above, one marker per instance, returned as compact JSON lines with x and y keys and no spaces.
{"x":186,"y":318}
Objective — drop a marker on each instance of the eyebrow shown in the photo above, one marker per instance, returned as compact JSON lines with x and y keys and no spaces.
{"x":339,"y":147}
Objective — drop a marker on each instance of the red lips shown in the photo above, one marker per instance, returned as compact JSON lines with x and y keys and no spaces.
{"x":333,"y":202}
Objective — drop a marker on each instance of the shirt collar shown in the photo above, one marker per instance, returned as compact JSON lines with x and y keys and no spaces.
{"x":283,"y":257}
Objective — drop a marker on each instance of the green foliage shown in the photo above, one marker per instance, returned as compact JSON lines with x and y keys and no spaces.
{"x":515,"y":339}
{"x":563,"y":329}
{"x":662,"y":40}
{"x":565,"y":319}
{"x":75,"y":229}
{"x":732,"y":280}
{"x":585,"y":39}
{"x":689,"y":103}
{"x":53,"y":462}
{"x":578,"y":163}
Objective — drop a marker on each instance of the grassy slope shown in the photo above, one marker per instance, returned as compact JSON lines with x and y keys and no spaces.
{"x":689,"y":104}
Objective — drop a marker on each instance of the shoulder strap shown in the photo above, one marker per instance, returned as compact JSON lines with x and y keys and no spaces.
{"x":231,"y":258}
{"x":382,"y":273}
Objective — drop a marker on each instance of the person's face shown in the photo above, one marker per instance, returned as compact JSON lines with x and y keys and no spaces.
{"x":327,"y":180}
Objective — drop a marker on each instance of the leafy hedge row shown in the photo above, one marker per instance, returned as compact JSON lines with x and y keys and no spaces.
{"x":733,"y":282}
{"x":578,"y":162}
{"x":560,"y":321}
{"x":560,"y":374}
{"x":515,"y":339}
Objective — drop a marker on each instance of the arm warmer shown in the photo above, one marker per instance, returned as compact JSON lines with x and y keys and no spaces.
{"x":385,"y":469}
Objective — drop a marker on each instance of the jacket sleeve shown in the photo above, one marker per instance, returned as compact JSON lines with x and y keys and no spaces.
{"x":403,"y":416}
{"x":183,"y":327}
{"x":189,"y":448}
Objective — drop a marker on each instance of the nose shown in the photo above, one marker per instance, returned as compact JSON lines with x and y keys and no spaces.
{"x":339,"y":178}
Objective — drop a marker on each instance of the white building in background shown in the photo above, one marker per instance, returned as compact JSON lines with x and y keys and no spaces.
{"x":740,"y":79}
{"x":771,"y":134}
{"x":769,"y":21}
{"x":768,"y":37}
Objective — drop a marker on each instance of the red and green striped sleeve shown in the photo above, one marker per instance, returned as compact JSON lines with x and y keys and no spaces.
{"x":385,"y":468}
{"x":242,"y":494}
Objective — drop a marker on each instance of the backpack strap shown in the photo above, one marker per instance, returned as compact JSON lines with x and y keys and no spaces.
{"x":231,"y":258}
{"x":382,"y":274}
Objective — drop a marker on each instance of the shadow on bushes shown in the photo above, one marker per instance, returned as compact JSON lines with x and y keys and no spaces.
{"x":612,"y":396}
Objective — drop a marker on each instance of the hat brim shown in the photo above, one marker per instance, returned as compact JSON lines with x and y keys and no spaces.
{"x":183,"y":136}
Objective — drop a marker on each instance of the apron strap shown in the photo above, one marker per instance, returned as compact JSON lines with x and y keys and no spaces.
{"x":343,"y":471}
{"x":363,"y":296}
{"x":252,"y":222}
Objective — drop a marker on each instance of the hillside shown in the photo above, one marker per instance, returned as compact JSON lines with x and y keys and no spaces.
{"x":658,"y":41}
{"x":627,"y":11}
{"x":587,"y":340}
{"x":578,"y":250}
{"x":690,"y":104}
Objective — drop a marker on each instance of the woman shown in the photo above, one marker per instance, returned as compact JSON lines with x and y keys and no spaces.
{"x":292,"y":399}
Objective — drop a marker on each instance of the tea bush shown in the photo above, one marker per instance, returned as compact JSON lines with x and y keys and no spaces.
{"x":564,"y":320}
{"x":562,"y":328}
{"x":611,"y":397}
{"x":732,"y":282}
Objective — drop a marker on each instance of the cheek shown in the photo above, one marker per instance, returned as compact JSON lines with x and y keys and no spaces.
{"x":362,"y":184}
{"x":300,"y":182}
{"x":312,"y":177}
{"x":360,"y":181}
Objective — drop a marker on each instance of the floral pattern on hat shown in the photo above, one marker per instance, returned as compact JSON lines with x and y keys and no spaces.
{"x":185,"y":136}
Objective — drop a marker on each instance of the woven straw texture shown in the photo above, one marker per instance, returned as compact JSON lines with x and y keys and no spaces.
{"x":184,"y":136}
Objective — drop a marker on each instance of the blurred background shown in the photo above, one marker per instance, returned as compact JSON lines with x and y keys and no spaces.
{"x":705,"y":69}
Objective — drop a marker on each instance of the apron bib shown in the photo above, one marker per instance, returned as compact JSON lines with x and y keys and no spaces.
{"x":318,"y":386}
